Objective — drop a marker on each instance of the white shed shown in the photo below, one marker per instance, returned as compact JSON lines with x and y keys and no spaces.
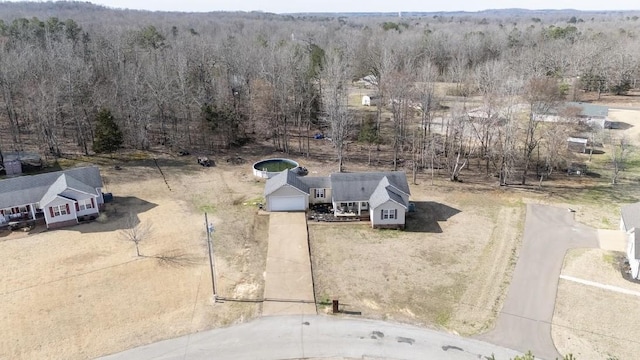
{"x":366,"y":101}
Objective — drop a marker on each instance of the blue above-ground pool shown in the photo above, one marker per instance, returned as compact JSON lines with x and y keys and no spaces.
{"x":268,"y":168}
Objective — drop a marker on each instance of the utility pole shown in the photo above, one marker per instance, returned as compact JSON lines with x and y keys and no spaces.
{"x":210,"y":229}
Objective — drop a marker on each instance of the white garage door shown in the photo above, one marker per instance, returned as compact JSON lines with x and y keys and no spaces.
{"x":287,"y":203}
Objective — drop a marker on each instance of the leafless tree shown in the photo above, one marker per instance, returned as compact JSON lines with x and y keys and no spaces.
{"x":542,"y":94}
{"x":135,"y":231}
{"x":335,"y":96}
{"x":619,"y":155}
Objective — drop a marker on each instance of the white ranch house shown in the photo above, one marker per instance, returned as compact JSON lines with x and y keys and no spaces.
{"x":58,"y":199}
{"x":382,"y":197}
{"x":630,"y":224}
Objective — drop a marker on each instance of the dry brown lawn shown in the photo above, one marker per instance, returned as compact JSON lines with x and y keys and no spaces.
{"x":594,"y":323}
{"x":82,"y":292}
{"x":449,"y":268}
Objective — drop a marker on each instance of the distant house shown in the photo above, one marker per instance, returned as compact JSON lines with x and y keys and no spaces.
{"x":367,"y":81}
{"x":366,"y":101}
{"x":577,"y":144}
{"x":630,"y":223}
{"x":58,"y":199}
{"x":483,"y":114}
{"x":589,"y":114}
{"x":382,"y":197}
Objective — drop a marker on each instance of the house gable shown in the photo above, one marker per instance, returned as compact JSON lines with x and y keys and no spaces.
{"x":630,"y":216}
{"x":285,"y":177}
{"x":388,"y":213}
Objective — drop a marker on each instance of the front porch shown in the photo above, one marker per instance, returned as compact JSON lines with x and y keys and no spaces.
{"x":20,"y":214}
{"x":352,"y":209}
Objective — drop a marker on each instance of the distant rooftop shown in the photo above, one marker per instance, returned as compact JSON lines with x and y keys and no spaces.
{"x":589,"y":110}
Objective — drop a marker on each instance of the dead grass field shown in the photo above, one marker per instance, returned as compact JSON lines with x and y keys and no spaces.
{"x":594,"y":323}
{"x":448,"y":269}
{"x":81,"y":292}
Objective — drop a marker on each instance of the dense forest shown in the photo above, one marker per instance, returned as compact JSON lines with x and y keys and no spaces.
{"x":220,"y":80}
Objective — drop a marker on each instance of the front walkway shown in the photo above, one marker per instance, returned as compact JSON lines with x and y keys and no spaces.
{"x":288,"y":288}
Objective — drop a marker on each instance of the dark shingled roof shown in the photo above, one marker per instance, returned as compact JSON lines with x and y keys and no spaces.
{"x":285,"y":177}
{"x":631,"y":216}
{"x":360,"y":186}
{"x":31,"y":189}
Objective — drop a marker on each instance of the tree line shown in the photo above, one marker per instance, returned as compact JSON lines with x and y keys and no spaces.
{"x":221,"y":80}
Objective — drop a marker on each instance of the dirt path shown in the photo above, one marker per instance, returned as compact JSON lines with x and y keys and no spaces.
{"x":525,"y":320}
{"x":288,"y":286}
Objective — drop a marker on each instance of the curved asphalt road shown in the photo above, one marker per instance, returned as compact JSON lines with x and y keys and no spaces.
{"x":316,"y":336}
{"x":525,"y":320}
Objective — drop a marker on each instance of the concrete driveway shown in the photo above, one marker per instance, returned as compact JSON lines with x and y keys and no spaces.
{"x":288,"y":288}
{"x":316,"y":337}
{"x":525,"y":320}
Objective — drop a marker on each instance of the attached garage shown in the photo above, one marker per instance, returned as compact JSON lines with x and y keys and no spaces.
{"x":285,"y":192}
{"x":287,"y":203}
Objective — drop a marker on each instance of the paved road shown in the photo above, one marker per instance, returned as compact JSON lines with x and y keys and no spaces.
{"x":525,"y":321}
{"x":288,"y":273}
{"x":316,"y":336}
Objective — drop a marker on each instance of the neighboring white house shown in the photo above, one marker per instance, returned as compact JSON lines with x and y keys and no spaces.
{"x":589,"y":114}
{"x":633,"y":253}
{"x":630,"y":223}
{"x":630,"y":217}
{"x":382,"y":197}
{"x":59,"y":198}
{"x":366,"y":101}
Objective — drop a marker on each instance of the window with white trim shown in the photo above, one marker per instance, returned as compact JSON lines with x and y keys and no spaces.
{"x":85,"y":204}
{"x":387,"y":214}
{"x":320,"y":194}
{"x":59,"y":210}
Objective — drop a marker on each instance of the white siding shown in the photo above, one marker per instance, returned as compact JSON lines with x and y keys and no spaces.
{"x":59,"y":201}
{"x":287,"y":192}
{"x":631,"y":252}
{"x":375,"y":214}
{"x":89,"y":211}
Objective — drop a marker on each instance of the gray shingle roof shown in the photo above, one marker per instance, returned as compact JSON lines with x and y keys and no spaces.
{"x":321,"y":182}
{"x":285,"y":177}
{"x":64,"y":182}
{"x":631,"y":216}
{"x":360,"y":186}
{"x":586,"y":109}
{"x":385,"y":192}
{"x":32,"y":188}
{"x":590,"y":110}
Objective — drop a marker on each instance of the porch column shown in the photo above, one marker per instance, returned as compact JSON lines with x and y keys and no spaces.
{"x":359,"y":207}
{"x":33,"y":211}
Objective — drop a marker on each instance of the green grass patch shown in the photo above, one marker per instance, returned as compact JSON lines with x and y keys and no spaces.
{"x":254,"y":201}
{"x":203,"y":206}
{"x":443,"y":317}
{"x":610,"y":258}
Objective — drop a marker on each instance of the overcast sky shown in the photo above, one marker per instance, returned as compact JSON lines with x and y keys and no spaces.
{"x":284,"y":6}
